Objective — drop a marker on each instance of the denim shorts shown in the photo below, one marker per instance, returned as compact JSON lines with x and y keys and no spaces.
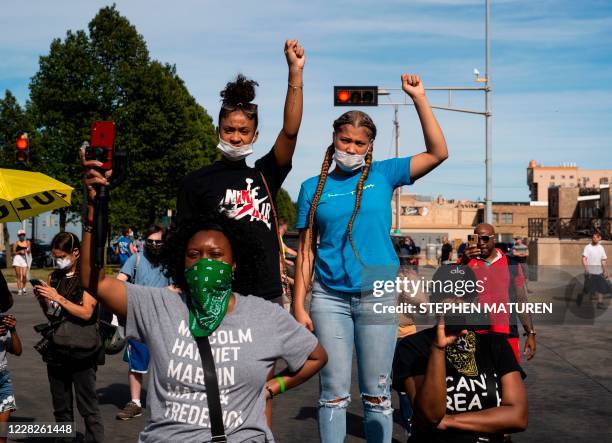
{"x":7,"y":399}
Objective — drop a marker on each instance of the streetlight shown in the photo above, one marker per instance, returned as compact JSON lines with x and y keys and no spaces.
{"x":486,"y":80}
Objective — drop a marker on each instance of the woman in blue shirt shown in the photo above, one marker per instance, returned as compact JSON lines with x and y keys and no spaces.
{"x":349,"y":211}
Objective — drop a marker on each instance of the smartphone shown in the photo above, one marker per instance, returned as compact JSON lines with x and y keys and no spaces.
{"x":472,"y":240}
{"x":36,"y":282}
{"x":101,"y":143}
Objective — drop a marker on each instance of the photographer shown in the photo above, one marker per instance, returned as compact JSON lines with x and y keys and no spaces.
{"x":9,"y":343}
{"x":73,"y":316}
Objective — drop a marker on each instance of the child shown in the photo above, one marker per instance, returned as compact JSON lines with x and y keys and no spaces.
{"x":9,"y":342}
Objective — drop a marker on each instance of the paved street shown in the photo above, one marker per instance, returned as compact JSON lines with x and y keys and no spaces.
{"x":569,"y":384}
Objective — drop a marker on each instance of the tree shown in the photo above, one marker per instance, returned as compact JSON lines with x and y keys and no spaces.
{"x":286,"y":208}
{"x":106,"y":74}
{"x":13,"y":121}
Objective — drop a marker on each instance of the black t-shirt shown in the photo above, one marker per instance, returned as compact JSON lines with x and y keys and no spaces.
{"x":447,"y":248}
{"x":238,"y":191}
{"x":494,"y":359}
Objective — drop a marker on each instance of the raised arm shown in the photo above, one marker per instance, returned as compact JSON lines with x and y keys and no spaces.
{"x":284,"y":146}
{"x":428,"y":392}
{"x":108,"y":290}
{"x":435,"y":144}
{"x":304,"y":267}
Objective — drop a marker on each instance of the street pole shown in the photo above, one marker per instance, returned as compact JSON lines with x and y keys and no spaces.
{"x":398,"y":191}
{"x":488,"y":118}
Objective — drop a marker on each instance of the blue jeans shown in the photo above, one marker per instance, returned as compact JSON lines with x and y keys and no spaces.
{"x":342,"y":321}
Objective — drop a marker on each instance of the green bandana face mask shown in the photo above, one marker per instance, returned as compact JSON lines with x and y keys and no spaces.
{"x":210,"y":287}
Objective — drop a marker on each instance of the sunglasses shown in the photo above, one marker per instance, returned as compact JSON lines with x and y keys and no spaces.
{"x":249,"y":108}
{"x":484,"y":238}
{"x":154,"y":242}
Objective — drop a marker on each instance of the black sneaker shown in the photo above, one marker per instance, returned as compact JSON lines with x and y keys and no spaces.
{"x":130,"y":411}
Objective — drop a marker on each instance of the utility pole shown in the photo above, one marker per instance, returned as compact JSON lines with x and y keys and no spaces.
{"x":398,"y":191}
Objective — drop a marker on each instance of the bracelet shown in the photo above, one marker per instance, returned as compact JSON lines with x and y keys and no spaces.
{"x":281,"y":383}
{"x":532,"y":332}
{"x":87,"y":228}
{"x":296,"y":86}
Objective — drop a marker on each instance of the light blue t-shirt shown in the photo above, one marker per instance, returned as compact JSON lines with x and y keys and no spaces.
{"x":336,"y":265}
{"x":142,"y":272}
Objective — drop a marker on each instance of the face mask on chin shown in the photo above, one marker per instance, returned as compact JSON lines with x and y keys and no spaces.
{"x":210,"y":287}
{"x":348,"y":162}
{"x":235,"y":153}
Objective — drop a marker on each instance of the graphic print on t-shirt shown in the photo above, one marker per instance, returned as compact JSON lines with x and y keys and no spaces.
{"x":464,"y":394}
{"x":240,"y":203}
{"x":185,"y":368}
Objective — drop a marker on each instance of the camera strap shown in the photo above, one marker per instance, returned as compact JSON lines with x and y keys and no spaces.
{"x":281,"y":246}
{"x":212,"y":391}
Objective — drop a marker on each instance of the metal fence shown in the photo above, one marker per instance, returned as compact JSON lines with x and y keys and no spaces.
{"x":569,"y":227}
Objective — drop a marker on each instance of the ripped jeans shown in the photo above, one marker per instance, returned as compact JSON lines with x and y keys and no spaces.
{"x":343,"y":320}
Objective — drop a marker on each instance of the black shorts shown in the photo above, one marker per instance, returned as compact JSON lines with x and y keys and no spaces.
{"x":596,"y":283}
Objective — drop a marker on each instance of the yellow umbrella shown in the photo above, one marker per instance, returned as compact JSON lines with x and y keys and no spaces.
{"x":24,"y":194}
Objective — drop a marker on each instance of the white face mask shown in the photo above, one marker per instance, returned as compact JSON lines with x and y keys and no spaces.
{"x":235,"y":153}
{"x":63,"y":263}
{"x":348,"y":162}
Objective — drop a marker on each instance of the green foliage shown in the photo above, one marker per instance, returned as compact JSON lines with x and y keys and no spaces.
{"x":13,"y":121}
{"x":286,"y":208}
{"x":106,"y":74}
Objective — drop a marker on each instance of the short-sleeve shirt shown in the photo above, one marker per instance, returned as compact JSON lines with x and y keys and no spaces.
{"x":238,"y":191}
{"x":496,"y":279}
{"x":594,"y":255}
{"x":447,"y":248}
{"x":494,"y":359}
{"x":6,"y":345}
{"x":123,"y":245}
{"x":245,"y":346}
{"x":336,"y":265}
{"x":142,"y":272}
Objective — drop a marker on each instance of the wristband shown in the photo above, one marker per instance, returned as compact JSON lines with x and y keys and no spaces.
{"x":532,"y":332}
{"x":296,"y":86}
{"x":281,"y":383}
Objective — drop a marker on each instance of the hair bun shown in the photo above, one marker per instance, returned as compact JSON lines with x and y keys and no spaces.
{"x":241,"y":90}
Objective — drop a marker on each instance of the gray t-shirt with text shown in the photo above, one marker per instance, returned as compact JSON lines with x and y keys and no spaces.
{"x":245,"y":346}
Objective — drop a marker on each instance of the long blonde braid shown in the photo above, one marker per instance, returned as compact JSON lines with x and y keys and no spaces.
{"x":362,"y":179}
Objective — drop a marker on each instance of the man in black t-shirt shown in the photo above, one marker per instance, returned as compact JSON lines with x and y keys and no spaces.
{"x":248,"y":193}
{"x":447,"y":249}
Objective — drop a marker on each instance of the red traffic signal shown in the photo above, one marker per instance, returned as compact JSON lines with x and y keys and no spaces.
{"x":22,"y":151}
{"x":355,"y":95}
{"x":22,"y":142}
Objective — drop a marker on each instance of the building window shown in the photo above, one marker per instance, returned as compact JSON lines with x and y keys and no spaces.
{"x":552,"y":177}
{"x":507,"y":218}
{"x":571,"y":176}
{"x":563,"y":176}
{"x":603,"y":181}
{"x":496,"y":218}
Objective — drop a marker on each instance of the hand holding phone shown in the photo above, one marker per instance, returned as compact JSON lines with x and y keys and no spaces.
{"x":37,"y":282}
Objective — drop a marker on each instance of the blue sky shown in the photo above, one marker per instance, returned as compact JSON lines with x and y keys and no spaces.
{"x":551,"y":71}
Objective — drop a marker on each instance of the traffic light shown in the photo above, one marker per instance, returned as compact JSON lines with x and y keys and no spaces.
{"x":355,"y":95}
{"x":22,"y":151}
